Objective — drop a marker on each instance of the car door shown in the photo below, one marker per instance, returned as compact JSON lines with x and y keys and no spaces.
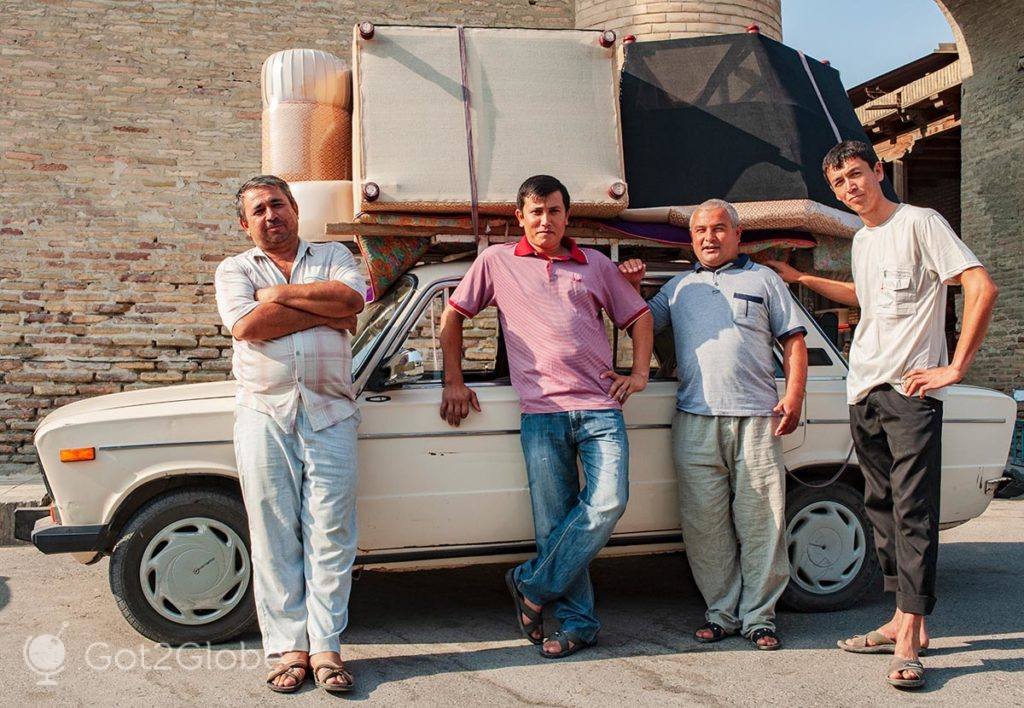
{"x":424,"y":483}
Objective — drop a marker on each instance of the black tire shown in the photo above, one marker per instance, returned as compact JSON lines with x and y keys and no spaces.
{"x":125,"y":582}
{"x":847,"y":503}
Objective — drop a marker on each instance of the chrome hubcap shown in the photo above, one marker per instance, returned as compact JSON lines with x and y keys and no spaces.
{"x":826,"y":547}
{"x":195,"y":571}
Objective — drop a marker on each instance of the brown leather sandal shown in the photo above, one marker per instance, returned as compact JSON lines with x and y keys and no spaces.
{"x":288,"y":670}
{"x":332,"y":671}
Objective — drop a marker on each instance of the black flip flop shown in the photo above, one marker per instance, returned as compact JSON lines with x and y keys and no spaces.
{"x":536,"y":618}
{"x":563,"y":639}
{"x":718,"y":633}
{"x":762,"y":633}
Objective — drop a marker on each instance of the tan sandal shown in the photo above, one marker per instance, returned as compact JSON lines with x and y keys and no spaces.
{"x":332,"y":671}
{"x":288,"y":670}
{"x":908,"y":666}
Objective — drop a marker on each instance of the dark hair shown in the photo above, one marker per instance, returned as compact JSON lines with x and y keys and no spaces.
{"x":848,"y":150}
{"x":541,"y":186}
{"x":262,"y":181}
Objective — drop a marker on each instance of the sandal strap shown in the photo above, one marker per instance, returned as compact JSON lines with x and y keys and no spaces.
{"x":333,"y":670}
{"x":761,"y":633}
{"x":563,"y":639}
{"x":717,"y":630}
{"x":912,"y":665}
{"x":535,"y":616}
{"x":283,"y":669}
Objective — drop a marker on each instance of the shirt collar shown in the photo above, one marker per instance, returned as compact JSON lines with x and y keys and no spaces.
{"x":523,"y":248}
{"x":304,"y":247}
{"x":740,"y":261}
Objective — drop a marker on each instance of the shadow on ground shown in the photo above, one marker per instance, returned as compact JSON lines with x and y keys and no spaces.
{"x":650,"y":607}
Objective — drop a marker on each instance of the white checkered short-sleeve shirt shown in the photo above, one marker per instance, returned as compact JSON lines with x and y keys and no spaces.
{"x":314,"y":366}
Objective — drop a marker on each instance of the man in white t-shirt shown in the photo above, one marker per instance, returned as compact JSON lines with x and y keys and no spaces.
{"x":903,"y":259}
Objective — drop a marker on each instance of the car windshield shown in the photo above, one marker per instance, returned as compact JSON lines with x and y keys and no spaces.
{"x":374,"y":319}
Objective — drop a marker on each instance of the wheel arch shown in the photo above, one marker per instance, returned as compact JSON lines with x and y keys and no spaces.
{"x":153,"y":488}
{"x":819,"y":473}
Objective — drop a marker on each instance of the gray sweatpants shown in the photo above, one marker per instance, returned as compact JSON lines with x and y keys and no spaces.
{"x":732,"y":506}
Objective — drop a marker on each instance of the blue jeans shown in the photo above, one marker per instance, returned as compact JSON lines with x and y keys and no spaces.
{"x":571,"y":525}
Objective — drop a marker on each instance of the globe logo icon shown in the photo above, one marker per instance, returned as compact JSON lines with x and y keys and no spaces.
{"x":44,"y":655}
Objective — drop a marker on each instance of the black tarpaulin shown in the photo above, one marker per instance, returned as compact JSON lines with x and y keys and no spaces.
{"x":733,"y":117}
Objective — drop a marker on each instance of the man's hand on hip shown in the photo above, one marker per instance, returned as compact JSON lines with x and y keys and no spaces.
{"x":456,"y":399}
{"x":918,"y":382}
{"x":624,"y":386}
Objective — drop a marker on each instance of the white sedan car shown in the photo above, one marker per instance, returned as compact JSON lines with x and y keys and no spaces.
{"x":148,"y":477}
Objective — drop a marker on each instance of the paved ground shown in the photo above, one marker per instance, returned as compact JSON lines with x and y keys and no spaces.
{"x":446,"y":637}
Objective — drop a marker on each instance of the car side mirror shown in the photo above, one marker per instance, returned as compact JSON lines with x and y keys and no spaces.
{"x":405,"y":366}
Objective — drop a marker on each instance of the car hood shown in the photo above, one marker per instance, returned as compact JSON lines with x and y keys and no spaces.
{"x":143,"y":397}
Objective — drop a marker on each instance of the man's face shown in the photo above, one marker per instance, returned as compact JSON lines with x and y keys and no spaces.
{"x":543,"y":220}
{"x":271,"y":221}
{"x":856,"y":185}
{"x":715,"y":240}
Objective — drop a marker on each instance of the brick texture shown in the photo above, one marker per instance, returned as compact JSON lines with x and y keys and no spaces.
{"x":125,"y":128}
{"x":993,"y":176}
{"x":672,"y":20}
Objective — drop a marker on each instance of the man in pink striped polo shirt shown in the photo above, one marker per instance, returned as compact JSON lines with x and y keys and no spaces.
{"x":550,"y":295}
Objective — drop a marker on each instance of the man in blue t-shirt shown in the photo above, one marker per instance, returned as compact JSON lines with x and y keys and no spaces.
{"x":726,"y":314}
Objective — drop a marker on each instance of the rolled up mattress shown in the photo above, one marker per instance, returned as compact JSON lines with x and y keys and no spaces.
{"x":784,"y":214}
{"x":539,"y":102}
{"x":307,"y":120}
{"x":321,"y":203}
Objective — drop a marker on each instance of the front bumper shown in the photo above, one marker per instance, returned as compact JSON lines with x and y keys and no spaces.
{"x":49,"y":537}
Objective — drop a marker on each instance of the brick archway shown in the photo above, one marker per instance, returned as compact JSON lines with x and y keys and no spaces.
{"x":987,"y":34}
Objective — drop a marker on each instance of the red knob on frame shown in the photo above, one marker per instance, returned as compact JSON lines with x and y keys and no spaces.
{"x":753,"y":29}
{"x":607,"y":38}
{"x":617,"y":190}
{"x":366,"y":30}
{"x":371,"y":191}
{"x":629,"y":39}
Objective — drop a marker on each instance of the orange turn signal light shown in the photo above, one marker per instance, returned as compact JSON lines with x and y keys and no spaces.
{"x":77,"y":454}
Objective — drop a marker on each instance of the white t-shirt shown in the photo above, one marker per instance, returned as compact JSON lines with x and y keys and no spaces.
{"x":900,"y":270}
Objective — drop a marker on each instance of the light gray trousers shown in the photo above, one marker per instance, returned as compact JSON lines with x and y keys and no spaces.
{"x":733,"y":509}
{"x":299,"y":490}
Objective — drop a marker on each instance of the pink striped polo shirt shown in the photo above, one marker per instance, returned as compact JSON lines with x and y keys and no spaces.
{"x":550,"y":313}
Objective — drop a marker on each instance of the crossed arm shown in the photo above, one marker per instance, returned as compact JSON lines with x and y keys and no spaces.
{"x":285,"y":309}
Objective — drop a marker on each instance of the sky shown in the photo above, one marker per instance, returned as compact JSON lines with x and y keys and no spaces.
{"x":864,"y":38}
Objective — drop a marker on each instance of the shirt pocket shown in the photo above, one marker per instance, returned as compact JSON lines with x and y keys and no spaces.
{"x":570,"y":285}
{"x":897,"y":292}
{"x":748,"y":309}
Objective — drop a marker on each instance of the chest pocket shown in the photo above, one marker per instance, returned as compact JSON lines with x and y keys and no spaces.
{"x":897,"y":293}
{"x":748,"y":309}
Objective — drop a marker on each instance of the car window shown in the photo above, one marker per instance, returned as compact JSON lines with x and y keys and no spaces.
{"x":480,"y":341}
{"x":373,"y":321}
{"x":663,"y":362}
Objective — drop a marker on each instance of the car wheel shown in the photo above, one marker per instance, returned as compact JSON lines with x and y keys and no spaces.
{"x":831,"y":550}
{"x":181,"y":570}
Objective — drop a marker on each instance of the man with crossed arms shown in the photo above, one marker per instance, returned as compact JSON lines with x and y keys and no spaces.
{"x":288,"y":305}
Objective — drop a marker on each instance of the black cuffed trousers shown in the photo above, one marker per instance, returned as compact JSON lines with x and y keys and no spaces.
{"x":899,"y":445}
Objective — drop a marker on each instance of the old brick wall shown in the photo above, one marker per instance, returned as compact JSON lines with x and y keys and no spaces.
{"x":680,"y":18}
{"x":125,"y":128}
{"x":992,"y":183}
